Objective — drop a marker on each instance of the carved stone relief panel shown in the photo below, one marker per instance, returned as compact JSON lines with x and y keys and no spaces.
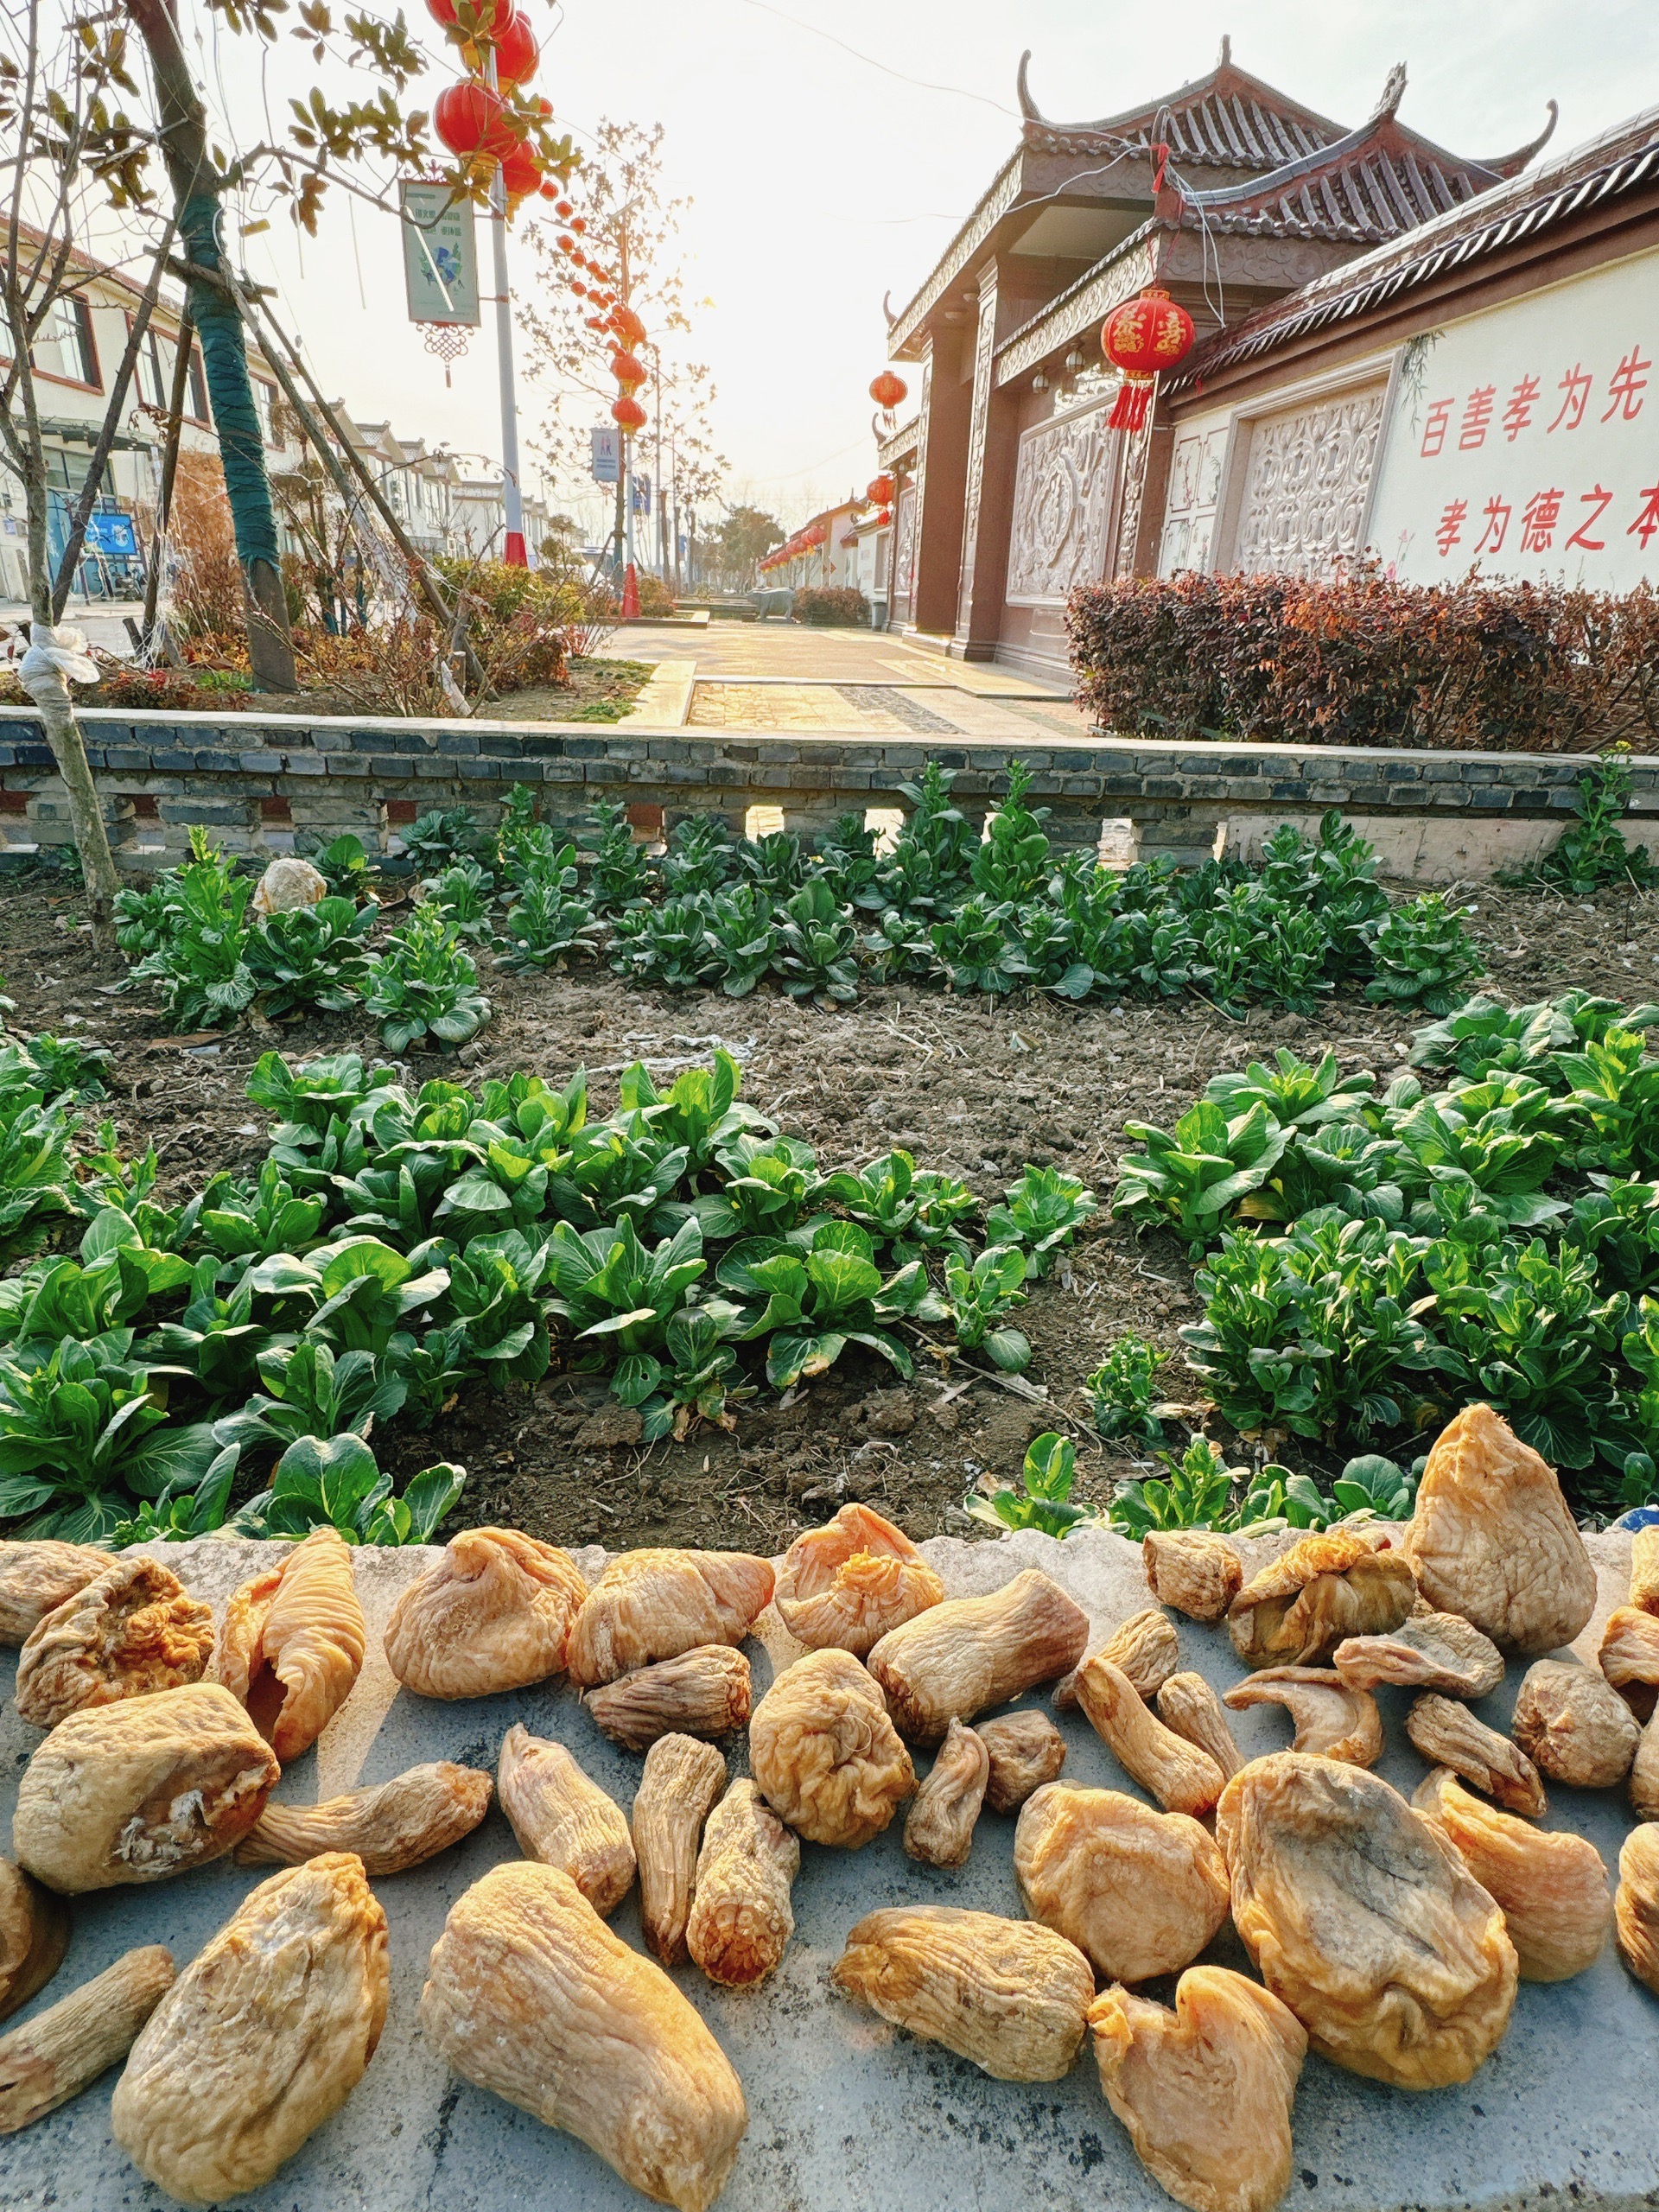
{"x":1307,"y":483}
{"x":904,"y":553}
{"x":1194,"y":496}
{"x":985,"y":340}
{"x":1062,"y":507}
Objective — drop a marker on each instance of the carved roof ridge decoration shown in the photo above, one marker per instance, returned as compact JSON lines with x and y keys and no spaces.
{"x":1620,"y":160}
{"x":1226,"y":119}
{"x":1509,"y":165}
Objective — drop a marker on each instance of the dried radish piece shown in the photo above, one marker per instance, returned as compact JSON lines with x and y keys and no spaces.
{"x":1630,"y":1658}
{"x":1140,"y":1893}
{"x":705,"y":1691}
{"x":1571,"y":1723}
{"x":679,"y":1788}
{"x":1145,"y":1648}
{"x":390,"y":1825}
{"x":1026,"y":1749}
{"x":847,"y":1583}
{"x":1644,"y":1570}
{"x":137,"y":1792}
{"x":1009,"y":1995}
{"x":1553,"y":1887}
{"x":1324,"y":1589}
{"x":1333,"y":1721}
{"x":955,"y":1660}
{"x":494,"y":1614}
{"x":654,"y":1604}
{"x":530,"y":1995}
{"x":1198,"y":1573}
{"x":1428,"y":1651}
{"x":825,"y":1756}
{"x":262,"y":2037}
{"x":128,"y":1632}
{"x":741,"y":1919}
{"x":1205,"y":2091}
{"x":1644,"y":1774}
{"x":1188,"y":1704}
{"x":34,"y":1937}
{"x":293,"y":1644}
{"x":1448,"y":1734}
{"x":1180,"y":1777}
{"x":1636,"y":1906}
{"x":1365,"y":1922}
{"x":1492,"y":1539}
{"x":38,"y":1576}
{"x":63,"y":2050}
{"x":562,"y":1817}
{"x":939,"y":1830}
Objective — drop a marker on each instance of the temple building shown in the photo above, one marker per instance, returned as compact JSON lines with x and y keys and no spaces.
{"x":1239,"y":202}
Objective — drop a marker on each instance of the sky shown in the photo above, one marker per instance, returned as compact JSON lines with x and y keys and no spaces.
{"x":830,"y":154}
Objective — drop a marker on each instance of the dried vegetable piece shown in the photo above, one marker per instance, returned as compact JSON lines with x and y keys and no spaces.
{"x":1198,"y":1573}
{"x":1571,"y":1723}
{"x":1636,"y":1906}
{"x":1630,"y":1658}
{"x":1492,"y":1539}
{"x":1145,"y":1648}
{"x":1448,"y":1734}
{"x":293,"y":1644}
{"x":1644,"y":1570}
{"x":562,"y":1817}
{"x":1553,"y":1887}
{"x":654,"y":1604}
{"x":390,"y":1826}
{"x":1644,"y":1774}
{"x":34,"y":1937}
{"x":1333,"y":1721}
{"x":1205,"y":2091}
{"x":493,"y":1614}
{"x":1026,"y":1749}
{"x":679,"y":1788}
{"x":847,"y":1583}
{"x":955,"y":1660}
{"x":1180,"y":1777}
{"x":63,"y":2050}
{"x":939,"y":1830}
{"x":529,"y":1995}
{"x":128,"y":1632}
{"x":1428,"y":1651}
{"x":1188,"y":1704}
{"x":1365,"y":1922}
{"x":1138,"y":1892}
{"x":262,"y":2037}
{"x":140,"y":1790}
{"x":824,"y":1754}
{"x":705,"y":1691}
{"x":37,"y":1577}
{"x":1324,"y":1589}
{"x":1009,"y":1995}
{"x":741,"y":1920}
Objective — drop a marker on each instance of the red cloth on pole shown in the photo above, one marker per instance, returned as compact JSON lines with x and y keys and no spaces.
{"x":513,"y":552}
{"x":630,"y":594}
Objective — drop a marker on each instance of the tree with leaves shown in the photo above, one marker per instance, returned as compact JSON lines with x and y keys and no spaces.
{"x":745,"y":537}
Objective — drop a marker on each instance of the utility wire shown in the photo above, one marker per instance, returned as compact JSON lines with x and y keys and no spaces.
{"x":924,"y":84}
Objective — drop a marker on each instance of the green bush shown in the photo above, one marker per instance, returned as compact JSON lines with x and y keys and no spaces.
{"x":827,"y":606}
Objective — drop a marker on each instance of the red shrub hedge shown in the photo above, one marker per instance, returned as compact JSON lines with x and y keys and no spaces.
{"x":1482,"y":666}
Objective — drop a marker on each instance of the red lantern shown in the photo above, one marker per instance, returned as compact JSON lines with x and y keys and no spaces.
{"x":578,"y":224}
{"x":884,"y":519}
{"x":520,"y":173}
{"x":1145,"y":337}
{"x":887,"y":390}
{"x":562,"y":210}
{"x":627,"y":324}
{"x":628,"y":369}
{"x":469,"y":118}
{"x":879,"y":490}
{"x":628,"y":415}
{"x":516,"y":52}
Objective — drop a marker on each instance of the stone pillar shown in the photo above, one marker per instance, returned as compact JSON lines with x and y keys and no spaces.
{"x":992,"y":455}
{"x":941,"y":483}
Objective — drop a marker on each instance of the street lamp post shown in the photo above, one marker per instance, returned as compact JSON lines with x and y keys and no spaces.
{"x":513,"y":550}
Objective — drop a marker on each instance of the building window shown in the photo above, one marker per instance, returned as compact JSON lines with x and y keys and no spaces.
{"x":64,"y":349}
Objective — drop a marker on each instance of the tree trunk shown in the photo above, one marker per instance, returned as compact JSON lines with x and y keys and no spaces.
{"x":224,"y":347}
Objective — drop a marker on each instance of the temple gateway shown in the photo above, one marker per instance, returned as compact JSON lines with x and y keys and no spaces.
{"x":1394,"y":342}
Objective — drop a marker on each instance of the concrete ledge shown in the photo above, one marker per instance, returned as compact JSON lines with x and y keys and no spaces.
{"x":846,"y":2114}
{"x":664,"y":701}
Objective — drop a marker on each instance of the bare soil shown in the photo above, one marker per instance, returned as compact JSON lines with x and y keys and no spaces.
{"x":976,"y":1088}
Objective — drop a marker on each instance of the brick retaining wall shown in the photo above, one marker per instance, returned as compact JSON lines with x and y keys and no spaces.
{"x":270,"y":786}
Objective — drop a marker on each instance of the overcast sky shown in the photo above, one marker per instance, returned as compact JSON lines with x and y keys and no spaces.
{"x":822,"y":177}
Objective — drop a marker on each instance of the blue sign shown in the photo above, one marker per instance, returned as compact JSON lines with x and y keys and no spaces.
{"x":113,"y":535}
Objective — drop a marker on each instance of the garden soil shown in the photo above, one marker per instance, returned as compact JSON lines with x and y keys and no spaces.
{"x":968,"y":1085}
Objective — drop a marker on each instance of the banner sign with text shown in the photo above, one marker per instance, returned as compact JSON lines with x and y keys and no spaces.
{"x":440,"y":256}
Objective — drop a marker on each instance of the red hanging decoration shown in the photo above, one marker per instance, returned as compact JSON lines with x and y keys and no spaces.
{"x":884,"y":519}
{"x":626,"y":324}
{"x":887,"y":390}
{"x":630,"y":594}
{"x":628,"y":369}
{"x":469,"y":118}
{"x":1145,"y":337}
{"x":516,"y":52}
{"x":879,"y":490}
{"x":520,"y":173}
{"x":628,"y":415}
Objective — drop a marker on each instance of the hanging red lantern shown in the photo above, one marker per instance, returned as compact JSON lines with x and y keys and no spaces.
{"x":1144,"y":338}
{"x":887,"y":390}
{"x":879,"y":490}
{"x":628,"y":369}
{"x":628,"y":415}
{"x":578,"y":224}
{"x":562,"y":210}
{"x":469,"y":118}
{"x":520,"y":173}
{"x":516,"y":52}
{"x":627,"y":325}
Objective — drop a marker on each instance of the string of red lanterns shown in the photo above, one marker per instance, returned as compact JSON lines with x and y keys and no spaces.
{"x":473,"y":119}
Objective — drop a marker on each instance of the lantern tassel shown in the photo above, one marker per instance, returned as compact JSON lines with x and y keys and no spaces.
{"x":1129,"y":409}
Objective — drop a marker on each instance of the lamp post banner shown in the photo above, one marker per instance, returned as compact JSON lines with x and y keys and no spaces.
{"x":440,"y":257}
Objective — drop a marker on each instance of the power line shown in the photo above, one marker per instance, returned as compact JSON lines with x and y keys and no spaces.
{"x":924,"y":84}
